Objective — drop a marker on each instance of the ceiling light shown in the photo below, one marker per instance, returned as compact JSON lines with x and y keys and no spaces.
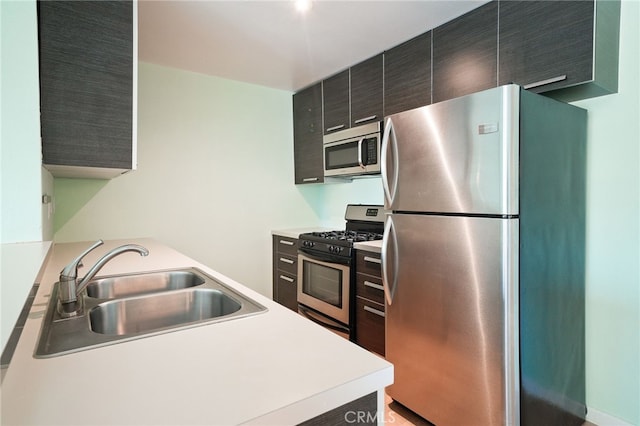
{"x":303,"y":5}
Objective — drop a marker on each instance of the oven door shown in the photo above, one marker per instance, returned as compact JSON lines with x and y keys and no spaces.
{"x":324,"y":286}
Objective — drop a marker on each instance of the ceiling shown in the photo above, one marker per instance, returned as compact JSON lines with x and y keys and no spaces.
{"x":269,"y":43}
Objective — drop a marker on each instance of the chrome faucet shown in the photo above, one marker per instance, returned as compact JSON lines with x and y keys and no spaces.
{"x":69,"y":288}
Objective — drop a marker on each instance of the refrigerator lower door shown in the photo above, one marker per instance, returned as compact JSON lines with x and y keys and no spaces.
{"x":452,"y":328}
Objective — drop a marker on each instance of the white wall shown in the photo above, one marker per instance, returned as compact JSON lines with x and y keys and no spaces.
{"x":21,"y":174}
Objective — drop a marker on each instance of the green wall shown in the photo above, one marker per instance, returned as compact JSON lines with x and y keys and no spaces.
{"x":613,"y":235}
{"x":21,"y":174}
{"x":215,"y":170}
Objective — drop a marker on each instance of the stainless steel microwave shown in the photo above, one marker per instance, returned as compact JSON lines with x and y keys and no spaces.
{"x":354,"y":151}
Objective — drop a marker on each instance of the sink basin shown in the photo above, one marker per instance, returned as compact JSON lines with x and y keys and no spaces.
{"x":146,"y":314}
{"x":133,"y":285}
{"x":156,"y":302}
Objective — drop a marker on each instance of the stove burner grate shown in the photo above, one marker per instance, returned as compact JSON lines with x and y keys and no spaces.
{"x":348,"y":236}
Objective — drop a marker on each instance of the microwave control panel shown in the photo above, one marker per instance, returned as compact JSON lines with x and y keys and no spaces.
{"x":372,"y":151}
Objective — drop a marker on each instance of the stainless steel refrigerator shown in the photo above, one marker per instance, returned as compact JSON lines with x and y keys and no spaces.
{"x":483,"y":259}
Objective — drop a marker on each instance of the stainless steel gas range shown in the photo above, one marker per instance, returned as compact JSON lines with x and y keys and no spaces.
{"x":326,"y":273}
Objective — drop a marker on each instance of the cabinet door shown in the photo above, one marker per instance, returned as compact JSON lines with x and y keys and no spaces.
{"x":545,"y":45}
{"x":285,"y":283}
{"x":370,"y":308}
{"x":86,"y":83}
{"x":287,"y":291}
{"x":335,"y":95}
{"x":407,"y":75}
{"x":366,"y":91}
{"x":465,"y":54}
{"x":370,"y":318}
{"x":307,"y":135}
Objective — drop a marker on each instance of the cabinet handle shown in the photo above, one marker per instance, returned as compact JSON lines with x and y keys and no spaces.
{"x":374,"y":285}
{"x":545,"y":82}
{"x":331,"y":129}
{"x":285,"y":260}
{"x":314,"y":179}
{"x":286,"y":243}
{"x":284,"y":277}
{"x":372,"y":260}
{"x":362,"y":120}
{"x":374,"y":311}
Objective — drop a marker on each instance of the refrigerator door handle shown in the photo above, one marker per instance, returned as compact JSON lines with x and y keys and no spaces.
{"x":389,"y":256}
{"x":389,"y":182}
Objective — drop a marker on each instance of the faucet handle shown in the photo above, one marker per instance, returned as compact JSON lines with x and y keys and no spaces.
{"x":71,"y":270}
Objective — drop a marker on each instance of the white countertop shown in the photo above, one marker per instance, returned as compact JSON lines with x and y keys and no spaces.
{"x":21,"y":264}
{"x":372,"y":246}
{"x":273,"y":368}
{"x":295,"y":232}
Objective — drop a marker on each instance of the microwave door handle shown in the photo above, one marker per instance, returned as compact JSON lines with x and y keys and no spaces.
{"x":360,"y":160}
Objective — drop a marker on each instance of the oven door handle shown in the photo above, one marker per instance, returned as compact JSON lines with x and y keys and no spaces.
{"x":325,"y":257}
{"x":312,"y":316}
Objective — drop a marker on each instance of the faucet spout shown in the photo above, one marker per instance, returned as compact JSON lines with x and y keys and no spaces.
{"x":106,"y":258}
{"x":70,"y":288}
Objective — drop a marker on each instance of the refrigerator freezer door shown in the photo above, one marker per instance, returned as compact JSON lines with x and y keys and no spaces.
{"x":451,"y":326}
{"x":457,"y":156}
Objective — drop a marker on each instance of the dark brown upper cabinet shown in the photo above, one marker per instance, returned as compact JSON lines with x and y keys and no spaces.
{"x":465,"y":54}
{"x":87,"y":91}
{"x":307,"y":135}
{"x":366,"y":91}
{"x":407,"y":75}
{"x":550,"y":45}
{"x":568,"y":49}
{"x":335,"y":93}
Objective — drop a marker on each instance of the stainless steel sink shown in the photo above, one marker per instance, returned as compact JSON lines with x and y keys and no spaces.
{"x":145,"y":314}
{"x":157,"y":302}
{"x":112,"y":287}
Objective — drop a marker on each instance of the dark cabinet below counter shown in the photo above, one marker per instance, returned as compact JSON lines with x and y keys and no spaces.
{"x":369,"y":308}
{"x":285,"y":271}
